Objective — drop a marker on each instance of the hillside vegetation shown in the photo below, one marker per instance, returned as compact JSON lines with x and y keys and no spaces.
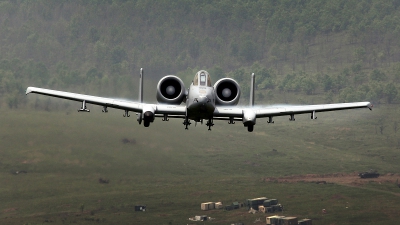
{"x":341,"y":50}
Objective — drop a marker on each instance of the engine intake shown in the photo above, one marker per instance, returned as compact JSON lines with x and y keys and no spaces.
{"x":170,"y":90}
{"x":228,"y":92}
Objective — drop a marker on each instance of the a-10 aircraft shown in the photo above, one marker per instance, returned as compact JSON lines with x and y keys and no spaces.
{"x":203,"y":102}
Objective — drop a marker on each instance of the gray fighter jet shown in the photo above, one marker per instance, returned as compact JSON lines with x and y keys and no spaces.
{"x":203,"y":102}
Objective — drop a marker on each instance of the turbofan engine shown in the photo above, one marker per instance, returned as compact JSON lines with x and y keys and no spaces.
{"x":171,"y":90}
{"x":228,"y":92}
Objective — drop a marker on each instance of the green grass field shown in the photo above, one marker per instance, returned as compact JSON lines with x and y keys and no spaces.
{"x":172,"y":170}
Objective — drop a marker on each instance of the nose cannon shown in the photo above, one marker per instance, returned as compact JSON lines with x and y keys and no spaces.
{"x":202,"y":99}
{"x":148,"y":115}
{"x":249,"y":119}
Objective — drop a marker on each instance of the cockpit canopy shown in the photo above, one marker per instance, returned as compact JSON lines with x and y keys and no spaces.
{"x":202,"y":78}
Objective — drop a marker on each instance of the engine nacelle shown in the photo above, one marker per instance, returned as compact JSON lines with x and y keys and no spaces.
{"x":171,"y":90}
{"x":228,"y":92}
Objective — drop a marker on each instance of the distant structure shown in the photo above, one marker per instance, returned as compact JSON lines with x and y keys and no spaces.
{"x":264,"y":205}
{"x":369,"y":174}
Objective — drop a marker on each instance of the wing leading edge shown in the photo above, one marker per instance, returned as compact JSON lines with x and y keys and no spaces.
{"x":219,"y":113}
{"x":109,"y":102}
{"x":288,"y":110}
{"x":249,"y":115}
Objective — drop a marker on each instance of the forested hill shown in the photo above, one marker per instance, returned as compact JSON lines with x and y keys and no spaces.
{"x":345,"y":50}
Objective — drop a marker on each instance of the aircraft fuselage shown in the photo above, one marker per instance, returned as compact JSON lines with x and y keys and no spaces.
{"x":200,"y":102}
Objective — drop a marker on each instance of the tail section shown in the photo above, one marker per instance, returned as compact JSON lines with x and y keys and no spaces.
{"x":141,"y":86}
{"x":139,"y":115}
{"x":252,"y":89}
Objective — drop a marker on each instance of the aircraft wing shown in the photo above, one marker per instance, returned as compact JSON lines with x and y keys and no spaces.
{"x":260,"y":112}
{"x":290,"y":110}
{"x":109,"y":102}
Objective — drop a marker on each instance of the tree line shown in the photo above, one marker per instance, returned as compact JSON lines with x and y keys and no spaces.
{"x":306,"y":46}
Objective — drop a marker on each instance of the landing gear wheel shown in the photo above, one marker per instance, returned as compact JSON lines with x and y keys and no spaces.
{"x":186,"y":122}
{"x":210,"y":123}
{"x":250,"y":128}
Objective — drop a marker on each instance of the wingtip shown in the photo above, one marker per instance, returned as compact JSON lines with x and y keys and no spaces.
{"x":370,"y":106}
{"x":28,"y":90}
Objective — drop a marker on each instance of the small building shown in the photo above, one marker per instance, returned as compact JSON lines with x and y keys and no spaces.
{"x":255,"y":202}
{"x":207,"y":206}
{"x":218,"y":205}
{"x":290,"y":221}
{"x":274,"y":220}
{"x":274,"y":201}
{"x":267,"y":203}
{"x":236,"y":205}
{"x":204,"y":206}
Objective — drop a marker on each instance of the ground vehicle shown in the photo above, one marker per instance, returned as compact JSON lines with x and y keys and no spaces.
{"x":369,"y":174}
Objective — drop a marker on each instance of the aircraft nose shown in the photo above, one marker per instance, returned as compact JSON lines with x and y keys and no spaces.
{"x":203,"y":99}
{"x":203,"y":102}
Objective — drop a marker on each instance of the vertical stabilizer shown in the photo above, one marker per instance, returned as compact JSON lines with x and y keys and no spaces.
{"x":141,"y":86}
{"x":139,"y":115}
{"x":252,"y":90}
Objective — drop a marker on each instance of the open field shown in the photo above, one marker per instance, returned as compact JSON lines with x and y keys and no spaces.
{"x":172,"y":170}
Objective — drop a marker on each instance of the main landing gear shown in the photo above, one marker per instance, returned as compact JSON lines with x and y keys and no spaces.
{"x":210,"y":123}
{"x":186,"y":122}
